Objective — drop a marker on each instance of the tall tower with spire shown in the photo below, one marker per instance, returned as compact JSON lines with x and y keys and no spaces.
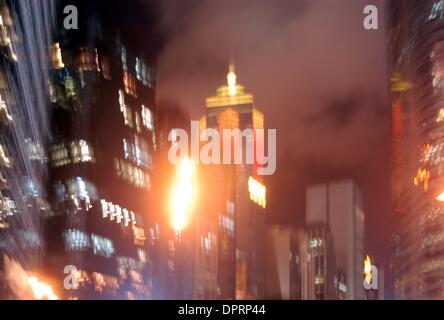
{"x":234,"y":221}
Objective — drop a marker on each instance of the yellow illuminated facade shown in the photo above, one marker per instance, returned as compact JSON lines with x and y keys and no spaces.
{"x":422,"y":176}
{"x":440,"y":117}
{"x":229,"y":119}
{"x":399,"y":84}
{"x":231,"y":94}
{"x":257,"y":192}
{"x":57,"y":60}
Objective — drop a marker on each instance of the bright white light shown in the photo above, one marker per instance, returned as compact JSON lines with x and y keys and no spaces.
{"x":182,"y":195}
{"x":41,"y":290}
{"x":440,"y":198}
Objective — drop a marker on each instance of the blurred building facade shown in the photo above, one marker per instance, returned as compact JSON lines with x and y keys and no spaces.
{"x":174,"y":254}
{"x":101,"y":155}
{"x":283,"y":263}
{"x":338,"y":207}
{"x":318,"y":267}
{"x":417,"y":56}
{"x":25,"y":39}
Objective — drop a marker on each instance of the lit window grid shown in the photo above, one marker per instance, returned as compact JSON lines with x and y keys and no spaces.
{"x":132,"y":174}
{"x":116,"y":213}
{"x":147,"y":118}
{"x":137,"y":152}
{"x":79,"y":152}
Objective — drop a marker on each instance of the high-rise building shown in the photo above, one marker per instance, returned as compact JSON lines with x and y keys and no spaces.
{"x":318,"y":264}
{"x":417,"y":55}
{"x":338,"y":205}
{"x":101,"y":154}
{"x":232,"y":234}
{"x":25,"y":39}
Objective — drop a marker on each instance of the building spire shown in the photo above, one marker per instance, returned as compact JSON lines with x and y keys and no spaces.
{"x":231,"y":80}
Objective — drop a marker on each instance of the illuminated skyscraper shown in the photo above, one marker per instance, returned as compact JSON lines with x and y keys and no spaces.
{"x":101,"y":153}
{"x":232,"y":232}
{"x":417,"y":48}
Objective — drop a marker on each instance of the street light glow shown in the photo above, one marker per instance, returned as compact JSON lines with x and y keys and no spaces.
{"x":182,"y":195}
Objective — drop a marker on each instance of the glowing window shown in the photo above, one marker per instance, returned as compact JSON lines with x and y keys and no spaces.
{"x":124,"y":58}
{"x":4,"y":160}
{"x":139,"y":69}
{"x":128,"y":116}
{"x":149,"y":73}
{"x":126,"y":149}
{"x":137,"y":151}
{"x":129,"y":83}
{"x":139,"y":236}
{"x":76,"y":240}
{"x":147,"y":118}
{"x":440,"y":117}
{"x":57,"y":61}
{"x":35,"y":151}
{"x":132,"y":174}
{"x":81,"y":151}
{"x":88,"y":60}
{"x":116,"y":213}
{"x":5,"y":39}
{"x":102,"y":246}
{"x":106,"y":68}
{"x":138,"y":122}
{"x":126,"y":110}
{"x":4,"y":113}
{"x":81,"y":188}
{"x":145,"y":73}
{"x":257,"y":192}
{"x":142,"y":255}
{"x":59,"y":156}
{"x":70,"y":88}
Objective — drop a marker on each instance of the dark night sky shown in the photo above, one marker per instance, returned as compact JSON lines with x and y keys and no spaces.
{"x":317,"y":75}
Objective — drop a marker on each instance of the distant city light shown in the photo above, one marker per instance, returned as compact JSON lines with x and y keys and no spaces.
{"x":368,"y":270}
{"x":182,"y":194}
{"x":232,"y":81}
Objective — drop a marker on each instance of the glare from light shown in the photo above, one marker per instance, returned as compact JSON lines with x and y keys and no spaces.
{"x":182,"y":194}
{"x":440,"y":197}
{"x":40,"y":290}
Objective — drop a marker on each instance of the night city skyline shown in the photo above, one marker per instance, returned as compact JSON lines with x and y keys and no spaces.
{"x":319,"y":77}
{"x":221,"y":150}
